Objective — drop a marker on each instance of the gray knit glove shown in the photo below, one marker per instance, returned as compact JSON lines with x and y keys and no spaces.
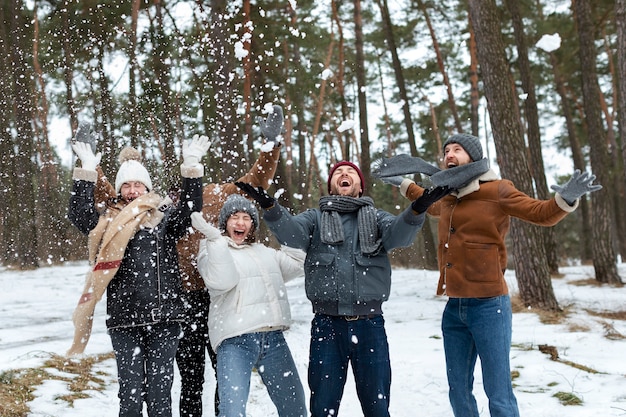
{"x":578,"y":185}
{"x":395,"y":180}
{"x":272,"y":126}
{"x":86,"y":135}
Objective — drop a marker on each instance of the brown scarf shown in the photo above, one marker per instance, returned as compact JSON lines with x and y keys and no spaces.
{"x":107,"y":244}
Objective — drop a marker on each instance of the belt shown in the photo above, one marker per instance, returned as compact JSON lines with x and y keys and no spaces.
{"x":361,"y":317}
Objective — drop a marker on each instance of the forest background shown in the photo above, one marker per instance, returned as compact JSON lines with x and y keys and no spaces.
{"x":357,"y":80}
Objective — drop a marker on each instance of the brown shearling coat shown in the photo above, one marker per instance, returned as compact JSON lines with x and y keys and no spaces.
{"x":472,"y":226}
{"x":213,"y":197}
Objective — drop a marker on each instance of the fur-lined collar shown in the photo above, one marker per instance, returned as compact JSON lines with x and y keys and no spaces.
{"x":474,"y":185}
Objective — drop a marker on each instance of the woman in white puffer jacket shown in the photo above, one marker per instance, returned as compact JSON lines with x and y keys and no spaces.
{"x":249,"y":309}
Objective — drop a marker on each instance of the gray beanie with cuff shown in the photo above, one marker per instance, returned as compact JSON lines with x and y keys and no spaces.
{"x":236,"y":203}
{"x":470,"y":143}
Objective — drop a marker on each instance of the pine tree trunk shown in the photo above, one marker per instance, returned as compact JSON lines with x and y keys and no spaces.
{"x":19,"y":229}
{"x":603,"y":252}
{"x":364,"y":157}
{"x":531,"y":267}
{"x":620,"y":73}
{"x":225,"y":94}
{"x":533,"y":132}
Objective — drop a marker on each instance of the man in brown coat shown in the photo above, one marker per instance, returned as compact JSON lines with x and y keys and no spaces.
{"x":190,"y":356}
{"x":473,"y":222}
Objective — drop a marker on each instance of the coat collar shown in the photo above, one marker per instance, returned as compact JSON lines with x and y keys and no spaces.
{"x":474,"y":185}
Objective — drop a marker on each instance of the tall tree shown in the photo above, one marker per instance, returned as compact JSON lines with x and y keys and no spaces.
{"x":362,"y":97}
{"x":428,"y":251}
{"x":20,"y":229}
{"x":533,"y":132}
{"x":604,"y":260}
{"x":531,"y":268}
{"x":223,"y":81}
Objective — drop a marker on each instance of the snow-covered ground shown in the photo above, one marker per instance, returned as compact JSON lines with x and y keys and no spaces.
{"x":35,"y":323}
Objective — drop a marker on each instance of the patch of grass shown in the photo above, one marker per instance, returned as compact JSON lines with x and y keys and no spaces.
{"x":568,"y":398}
{"x":587,"y":282}
{"x":17,"y":386}
{"x":554,"y":355}
{"x":577,"y":327}
{"x":611,"y":315}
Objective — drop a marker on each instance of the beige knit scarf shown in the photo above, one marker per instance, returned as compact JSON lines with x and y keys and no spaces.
{"x":107,"y":244}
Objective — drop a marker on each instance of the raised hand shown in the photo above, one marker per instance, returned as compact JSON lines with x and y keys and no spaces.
{"x":578,"y":185}
{"x":430,"y":196}
{"x":258,"y":194}
{"x":272,"y":126}
{"x":201,"y":225}
{"x":86,"y":135}
{"x":195,"y":149}
{"x":85,"y":153}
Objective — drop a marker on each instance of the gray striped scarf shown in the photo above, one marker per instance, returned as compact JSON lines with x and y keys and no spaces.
{"x":332,"y":229}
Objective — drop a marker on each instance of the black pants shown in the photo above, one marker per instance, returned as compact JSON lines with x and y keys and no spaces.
{"x":190,"y":356}
{"x":145,"y":367}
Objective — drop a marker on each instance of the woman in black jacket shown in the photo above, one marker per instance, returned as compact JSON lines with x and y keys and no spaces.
{"x":133,"y":256}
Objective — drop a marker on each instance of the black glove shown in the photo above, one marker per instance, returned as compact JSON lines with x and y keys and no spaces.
{"x":430,"y":196}
{"x":258,"y":194}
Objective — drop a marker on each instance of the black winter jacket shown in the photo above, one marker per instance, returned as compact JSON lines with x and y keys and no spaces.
{"x":147,"y":287}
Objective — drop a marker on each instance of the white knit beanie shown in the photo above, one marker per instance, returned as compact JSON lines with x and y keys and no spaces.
{"x":131,"y":169}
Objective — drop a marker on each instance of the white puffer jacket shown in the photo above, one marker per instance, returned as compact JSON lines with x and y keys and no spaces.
{"x":247,"y":286}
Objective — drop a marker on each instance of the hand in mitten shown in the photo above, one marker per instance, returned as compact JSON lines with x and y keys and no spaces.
{"x":195,"y":149}
{"x":87,"y":158}
{"x":395,"y":180}
{"x":576,"y":186}
{"x":272,"y":126}
{"x":429,"y":196}
{"x":258,"y":194}
{"x":86,"y":135}
{"x":201,"y":225}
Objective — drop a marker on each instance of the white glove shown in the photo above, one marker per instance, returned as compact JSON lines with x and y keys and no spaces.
{"x":87,"y":158}
{"x":195,"y":149}
{"x":201,"y":225}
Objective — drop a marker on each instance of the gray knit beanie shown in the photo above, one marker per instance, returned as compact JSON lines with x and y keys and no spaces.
{"x":470,"y":143}
{"x":236,"y":203}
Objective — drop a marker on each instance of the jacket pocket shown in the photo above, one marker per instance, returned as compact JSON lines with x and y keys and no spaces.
{"x":482,"y":262}
{"x":373,"y":277}
{"x":321,"y":277}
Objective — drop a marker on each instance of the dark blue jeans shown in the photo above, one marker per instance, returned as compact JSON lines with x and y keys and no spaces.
{"x":336,"y":343}
{"x":145,"y":367}
{"x":479,"y":327}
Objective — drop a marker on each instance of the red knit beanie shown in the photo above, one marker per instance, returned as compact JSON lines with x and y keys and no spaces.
{"x":350,"y":164}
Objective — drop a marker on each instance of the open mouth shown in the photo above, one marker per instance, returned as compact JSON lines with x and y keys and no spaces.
{"x":345,"y":183}
{"x":239,"y":233}
{"x":451,"y":165}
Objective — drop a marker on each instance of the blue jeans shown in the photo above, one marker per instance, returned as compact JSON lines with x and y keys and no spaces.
{"x":336,"y":342}
{"x":145,"y":367}
{"x":479,"y":327}
{"x":269,"y":354}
